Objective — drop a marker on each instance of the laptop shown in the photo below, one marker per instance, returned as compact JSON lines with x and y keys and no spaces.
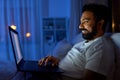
{"x":24,"y":65}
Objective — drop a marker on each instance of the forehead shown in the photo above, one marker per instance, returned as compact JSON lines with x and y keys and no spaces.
{"x":87,"y":15}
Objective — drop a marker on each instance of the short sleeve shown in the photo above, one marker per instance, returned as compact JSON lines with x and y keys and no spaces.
{"x":100,"y":58}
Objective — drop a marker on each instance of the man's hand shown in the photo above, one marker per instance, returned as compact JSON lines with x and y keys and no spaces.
{"x":47,"y":59}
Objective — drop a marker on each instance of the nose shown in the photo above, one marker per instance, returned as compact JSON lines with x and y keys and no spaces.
{"x":81,"y":26}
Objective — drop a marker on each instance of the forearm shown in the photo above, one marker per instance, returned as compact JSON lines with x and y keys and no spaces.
{"x":91,"y":75}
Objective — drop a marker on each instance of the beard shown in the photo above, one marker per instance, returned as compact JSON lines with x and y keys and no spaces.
{"x":90,"y":35}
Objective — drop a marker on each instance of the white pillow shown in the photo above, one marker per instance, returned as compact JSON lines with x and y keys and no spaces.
{"x":7,"y":70}
{"x":78,"y":38}
{"x":61,"y":49}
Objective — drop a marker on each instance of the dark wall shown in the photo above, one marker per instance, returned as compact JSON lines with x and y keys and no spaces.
{"x":116,"y":15}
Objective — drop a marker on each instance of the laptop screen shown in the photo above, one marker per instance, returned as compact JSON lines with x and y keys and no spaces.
{"x":16,"y":46}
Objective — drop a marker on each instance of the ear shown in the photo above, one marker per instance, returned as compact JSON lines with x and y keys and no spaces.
{"x":101,"y":22}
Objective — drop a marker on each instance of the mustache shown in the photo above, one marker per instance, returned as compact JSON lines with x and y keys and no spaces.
{"x":83,"y":29}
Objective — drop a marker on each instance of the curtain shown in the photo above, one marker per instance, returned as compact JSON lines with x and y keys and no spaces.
{"x":75,"y":14}
{"x":25,"y":15}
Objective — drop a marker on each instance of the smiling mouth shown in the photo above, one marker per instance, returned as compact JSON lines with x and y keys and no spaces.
{"x":84,"y":31}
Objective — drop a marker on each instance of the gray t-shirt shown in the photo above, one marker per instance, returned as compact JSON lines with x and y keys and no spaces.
{"x":96,"y":55}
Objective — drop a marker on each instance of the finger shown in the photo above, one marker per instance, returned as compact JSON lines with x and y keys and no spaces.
{"x":41,"y":61}
{"x":55,"y":64}
{"x":53,"y":59}
{"x":47,"y":60}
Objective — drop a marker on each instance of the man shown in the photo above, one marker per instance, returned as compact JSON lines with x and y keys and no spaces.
{"x":93,"y":58}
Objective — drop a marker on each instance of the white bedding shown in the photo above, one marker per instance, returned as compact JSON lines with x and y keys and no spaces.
{"x":8,"y":71}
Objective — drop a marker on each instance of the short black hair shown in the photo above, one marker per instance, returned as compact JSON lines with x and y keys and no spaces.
{"x":100,"y":12}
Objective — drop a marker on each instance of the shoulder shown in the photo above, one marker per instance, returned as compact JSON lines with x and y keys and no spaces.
{"x":100,"y":46}
{"x":101,"y":43}
{"x":100,"y":56}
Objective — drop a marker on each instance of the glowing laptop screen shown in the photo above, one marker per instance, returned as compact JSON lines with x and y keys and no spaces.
{"x":16,"y":45}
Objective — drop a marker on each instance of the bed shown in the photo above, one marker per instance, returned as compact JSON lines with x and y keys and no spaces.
{"x":8,"y":71}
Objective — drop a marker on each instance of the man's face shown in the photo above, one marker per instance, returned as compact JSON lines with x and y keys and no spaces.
{"x":88,"y":25}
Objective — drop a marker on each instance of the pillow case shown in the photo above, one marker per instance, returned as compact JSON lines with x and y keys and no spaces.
{"x":78,"y":38}
{"x":61,"y":49}
{"x":7,"y":70}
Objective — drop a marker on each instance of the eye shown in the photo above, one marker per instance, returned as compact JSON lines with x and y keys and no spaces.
{"x":84,"y":22}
